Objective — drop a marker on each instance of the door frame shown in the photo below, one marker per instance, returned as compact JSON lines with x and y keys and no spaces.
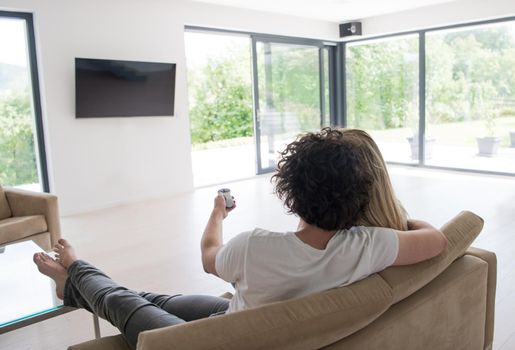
{"x":325,"y":106}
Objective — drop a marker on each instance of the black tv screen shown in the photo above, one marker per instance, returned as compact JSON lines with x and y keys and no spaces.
{"x":112,"y":88}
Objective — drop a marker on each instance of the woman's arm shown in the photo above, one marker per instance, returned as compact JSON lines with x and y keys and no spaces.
{"x":421,"y":242}
{"x":212,"y":239}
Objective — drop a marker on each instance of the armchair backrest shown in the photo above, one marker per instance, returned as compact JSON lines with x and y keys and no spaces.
{"x":26,"y":203}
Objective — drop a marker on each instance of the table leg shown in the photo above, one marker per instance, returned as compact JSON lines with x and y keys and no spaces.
{"x":96,"y":326}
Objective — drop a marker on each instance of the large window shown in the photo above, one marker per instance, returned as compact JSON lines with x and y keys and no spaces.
{"x":450,"y":89}
{"x":20,"y":119}
{"x":382,"y":94}
{"x":470,"y":92}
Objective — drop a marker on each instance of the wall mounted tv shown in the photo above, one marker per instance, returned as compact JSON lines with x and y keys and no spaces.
{"x":112,"y":88}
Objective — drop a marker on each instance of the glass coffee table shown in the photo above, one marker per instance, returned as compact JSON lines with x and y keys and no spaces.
{"x":26,"y":295}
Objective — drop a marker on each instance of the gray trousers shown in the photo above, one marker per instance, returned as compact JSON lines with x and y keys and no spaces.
{"x":131,"y":312}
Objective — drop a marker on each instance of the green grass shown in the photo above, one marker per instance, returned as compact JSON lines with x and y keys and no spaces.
{"x":452,"y":134}
{"x":455,"y":134}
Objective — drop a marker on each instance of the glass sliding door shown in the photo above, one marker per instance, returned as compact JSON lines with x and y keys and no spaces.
{"x":251,"y":94}
{"x":289,"y":93}
{"x":382,"y":93}
{"x":220,"y":106}
{"x":470,"y":97}
{"x":21,"y":136}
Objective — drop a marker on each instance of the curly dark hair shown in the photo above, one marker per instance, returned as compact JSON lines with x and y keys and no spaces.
{"x":321,"y":177}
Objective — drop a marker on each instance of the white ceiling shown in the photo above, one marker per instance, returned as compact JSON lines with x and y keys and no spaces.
{"x":329,"y":10}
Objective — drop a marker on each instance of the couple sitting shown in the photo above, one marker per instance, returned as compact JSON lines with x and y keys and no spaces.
{"x":350,"y":226}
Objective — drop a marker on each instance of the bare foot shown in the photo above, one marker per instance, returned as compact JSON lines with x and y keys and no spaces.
{"x":51,"y":268}
{"x":65,"y":254}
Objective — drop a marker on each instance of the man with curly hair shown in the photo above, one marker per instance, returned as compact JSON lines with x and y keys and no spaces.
{"x":350,"y":226}
{"x":330,"y":180}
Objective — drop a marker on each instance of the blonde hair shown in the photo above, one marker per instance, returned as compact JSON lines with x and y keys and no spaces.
{"x":384,"y":209}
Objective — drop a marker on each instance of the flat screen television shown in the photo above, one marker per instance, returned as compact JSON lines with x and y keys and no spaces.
{"x":113,"y":88}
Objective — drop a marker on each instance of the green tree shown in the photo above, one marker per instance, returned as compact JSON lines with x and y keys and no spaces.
{"x":382,"y":84}
{"x":221,"y":99}
{"x":470,"y":74}
{"x":467,"y":73}
{"x":290,"y":86}
{"x":494,"y":38}
{"x":17,"y":157}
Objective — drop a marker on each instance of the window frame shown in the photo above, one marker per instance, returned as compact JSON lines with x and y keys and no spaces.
{"x":329,"y":106}
{"x":422,"y":87}
{"x":36,"y":96}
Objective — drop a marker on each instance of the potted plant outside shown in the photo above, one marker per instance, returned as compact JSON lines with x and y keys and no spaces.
{"x":489,"y":144}
{"x":428,"y":146}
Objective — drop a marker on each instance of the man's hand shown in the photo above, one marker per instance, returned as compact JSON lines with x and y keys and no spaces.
{"x":212,"y":239}
{"x":220,"y":207}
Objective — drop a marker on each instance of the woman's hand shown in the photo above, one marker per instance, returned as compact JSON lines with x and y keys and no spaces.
{"x":220,"y":207}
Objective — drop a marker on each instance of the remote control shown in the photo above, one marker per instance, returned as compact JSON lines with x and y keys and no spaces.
{"x":229,"y":203}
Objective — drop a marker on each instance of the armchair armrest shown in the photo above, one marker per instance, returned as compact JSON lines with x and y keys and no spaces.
{"x":24,"y":203}
{"x":491,"y":259}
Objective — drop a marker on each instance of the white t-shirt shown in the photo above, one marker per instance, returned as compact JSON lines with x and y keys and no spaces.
{"x":275,"y":266}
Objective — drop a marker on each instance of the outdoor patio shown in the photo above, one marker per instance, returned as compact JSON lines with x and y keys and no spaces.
{"x":226,"y":164}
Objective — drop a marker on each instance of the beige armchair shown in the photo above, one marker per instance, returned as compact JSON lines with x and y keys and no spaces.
{"x":27,"y":215}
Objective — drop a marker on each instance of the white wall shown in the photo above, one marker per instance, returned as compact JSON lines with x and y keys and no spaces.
{"x":455,"y":12}
{"x":96,"y":163}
